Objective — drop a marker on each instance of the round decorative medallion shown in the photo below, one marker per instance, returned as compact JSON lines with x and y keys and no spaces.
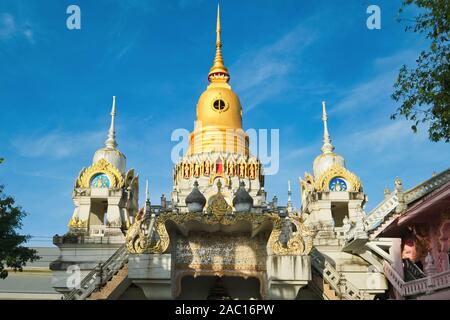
{"x":220,"y":105}
{"x":338,"y":184}
{"x":100,"y":181}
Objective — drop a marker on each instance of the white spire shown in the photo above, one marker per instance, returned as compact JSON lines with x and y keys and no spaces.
{"x":289,"y":203}
{"x":147,"y":200}
{"x":111,"y":140}
{"x":327,"y":146}
{"x":147,"y":194}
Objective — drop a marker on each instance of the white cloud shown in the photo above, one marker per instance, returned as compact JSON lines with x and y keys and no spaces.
{"x":376,"y":91}
{"x":57,"y":145}
{"x":261,"y":73}
{"x":10,"y":28}
{"x":367,"y":94}
{"x":383,"y":138}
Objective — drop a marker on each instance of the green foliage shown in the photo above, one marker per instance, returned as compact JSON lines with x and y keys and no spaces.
{"x":12,"y":252}
{"x":424,"y":92}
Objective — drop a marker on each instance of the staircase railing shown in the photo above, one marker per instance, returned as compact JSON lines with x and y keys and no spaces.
{"x":332,"y":277}
{"x":377,"y":215}
{"x":419,"y":286}
{"x":97,"y":278}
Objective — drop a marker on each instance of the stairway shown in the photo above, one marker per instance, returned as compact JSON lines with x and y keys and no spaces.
{"x":101,"y":276}
{"x":322,"y":288}
{"x":328,"y":280}
{"x":118,"y":281}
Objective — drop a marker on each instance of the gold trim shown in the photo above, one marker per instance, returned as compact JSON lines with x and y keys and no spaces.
{"x":101,"y":166}
{"x":300,"y":243}
{"x":323,"y":182}
{"x":76,"y":223}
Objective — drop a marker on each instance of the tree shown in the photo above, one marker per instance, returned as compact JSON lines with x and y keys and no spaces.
{"x":12,"y":252}
{"x":424,"y":92}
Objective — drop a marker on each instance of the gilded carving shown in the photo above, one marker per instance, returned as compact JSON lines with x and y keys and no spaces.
{"x":101,"y":166}
{"x":136,"y":240}
{"x":300,"y":243}
{"x":323,"y":182}
{"x":75,"y":223}
{"x":218,"y":206}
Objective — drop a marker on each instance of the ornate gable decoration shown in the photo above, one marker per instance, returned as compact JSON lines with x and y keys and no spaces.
{"x":101,"y":166}
{"x":323,"y":182}
{"x":218,"y":206}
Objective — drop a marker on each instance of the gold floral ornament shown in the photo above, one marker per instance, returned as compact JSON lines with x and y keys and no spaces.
{"x":76,"y":223}
{"x":101,"y":166}
{"x":300,"y":242}
{"x":323,"y":182}
{"x":136,"y":239}
{"x":218,"y":206}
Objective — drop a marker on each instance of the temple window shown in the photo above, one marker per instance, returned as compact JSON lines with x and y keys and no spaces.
{"x":97,"y":215}
{"x":338,"y":211}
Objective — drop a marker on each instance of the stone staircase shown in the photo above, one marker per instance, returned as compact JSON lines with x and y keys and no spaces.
{"x":322,"y":288}
{"x":120,"y":279}
{"x":381,"y":214}
{"x":101,"y":276}
{"x":334,"y":285}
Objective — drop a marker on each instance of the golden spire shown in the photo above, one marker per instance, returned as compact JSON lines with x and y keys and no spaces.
{"x":218,"y":72}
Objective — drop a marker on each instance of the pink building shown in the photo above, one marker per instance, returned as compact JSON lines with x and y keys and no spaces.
{"x":420,"y":222}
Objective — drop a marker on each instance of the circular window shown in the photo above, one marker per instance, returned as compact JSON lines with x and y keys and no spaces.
{"x":100,"y":181}
{"x":338,"y":184}
{"x":219,"y":105}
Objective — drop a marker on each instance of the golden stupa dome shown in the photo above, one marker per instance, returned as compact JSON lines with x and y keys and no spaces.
{"x":219,"y":112}
{"x":219,"y":106}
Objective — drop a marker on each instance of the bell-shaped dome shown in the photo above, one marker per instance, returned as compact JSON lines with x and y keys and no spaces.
{"x":110,"y":152}
{"x":325,"y":161}
{"x":242,"y":201}
{"x":195,"y":200}
{"x":219,"y":106}
{"x":113,"y":156}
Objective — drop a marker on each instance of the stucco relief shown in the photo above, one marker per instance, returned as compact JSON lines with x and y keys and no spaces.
{"x":220,"y":252}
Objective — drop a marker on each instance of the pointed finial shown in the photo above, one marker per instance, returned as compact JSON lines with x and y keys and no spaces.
{"x":111,"y":140}
{"x":218,"y":42}
{"x":218,"y":72}
{"x":289,"y":204}
{"x":219,"y":185}
{"x":147,"y":193}
{"x":327,"y":146}
{"x":147,"y":199}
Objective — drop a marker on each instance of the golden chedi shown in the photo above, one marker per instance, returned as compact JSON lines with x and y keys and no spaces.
{"x":218,"y":125}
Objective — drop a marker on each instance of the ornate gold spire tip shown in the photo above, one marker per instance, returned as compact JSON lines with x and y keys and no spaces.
{"x":218,"y":72}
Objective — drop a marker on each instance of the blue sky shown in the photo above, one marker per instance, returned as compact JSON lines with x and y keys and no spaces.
{"x":284,"y":57}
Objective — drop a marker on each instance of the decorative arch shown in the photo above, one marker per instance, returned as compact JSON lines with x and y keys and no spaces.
{"x":101,"y":166}
{"x":323,"y":182}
